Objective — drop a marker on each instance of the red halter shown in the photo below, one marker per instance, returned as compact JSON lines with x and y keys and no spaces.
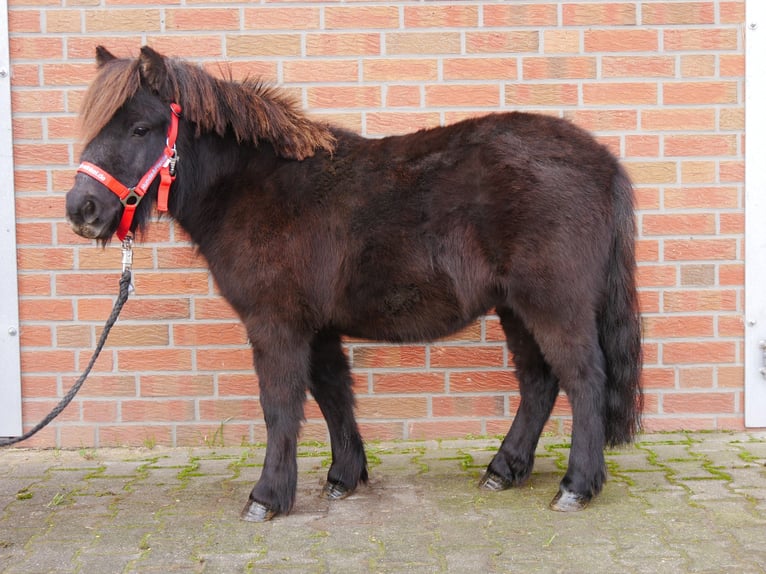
{"x":165,"y":166}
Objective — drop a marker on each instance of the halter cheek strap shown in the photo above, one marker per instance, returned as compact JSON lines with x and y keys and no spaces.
{"x":165,"y":166}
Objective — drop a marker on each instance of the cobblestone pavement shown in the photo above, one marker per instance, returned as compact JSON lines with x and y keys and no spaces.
{"x":685,"y":502}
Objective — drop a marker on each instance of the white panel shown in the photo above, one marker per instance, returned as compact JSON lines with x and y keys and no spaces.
{"x":755,"y":215}
{"x":10,"y":369}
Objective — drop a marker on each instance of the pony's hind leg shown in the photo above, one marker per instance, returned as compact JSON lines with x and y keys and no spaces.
{"x":569,"y":342}
{"x":331,"y":386}
{"x":513,"y":462}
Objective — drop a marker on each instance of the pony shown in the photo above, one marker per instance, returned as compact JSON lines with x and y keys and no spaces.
{"x":313,"y":233}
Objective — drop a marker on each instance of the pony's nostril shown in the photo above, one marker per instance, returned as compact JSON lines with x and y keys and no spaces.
{"x":88,"y":211}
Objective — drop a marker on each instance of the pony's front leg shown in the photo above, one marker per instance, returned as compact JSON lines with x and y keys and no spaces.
{"x":331,"y":386}
{"x":283,"y":375}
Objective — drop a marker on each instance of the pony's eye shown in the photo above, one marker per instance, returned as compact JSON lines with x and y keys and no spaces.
{"x":140,"y":131}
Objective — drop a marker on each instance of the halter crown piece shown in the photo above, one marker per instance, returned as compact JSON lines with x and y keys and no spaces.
{"x":165,"y":167}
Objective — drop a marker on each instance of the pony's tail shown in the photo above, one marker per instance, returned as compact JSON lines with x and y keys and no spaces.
{"x":620,"y":323}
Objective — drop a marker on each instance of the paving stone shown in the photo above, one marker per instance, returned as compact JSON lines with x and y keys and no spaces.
{"x":676,"y":502}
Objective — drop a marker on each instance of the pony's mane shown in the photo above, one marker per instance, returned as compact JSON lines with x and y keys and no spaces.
{"x":251,"y":109}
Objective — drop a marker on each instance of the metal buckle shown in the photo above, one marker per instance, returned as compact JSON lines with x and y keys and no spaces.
{"x":172,"y":160}
{"x":127,"y":260}
{"x":132,"y":198}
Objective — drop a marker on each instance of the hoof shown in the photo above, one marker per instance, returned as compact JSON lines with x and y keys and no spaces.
{"x":494,"y":482}
{"x":335,"y":491}
{"x":566,"y":501}
{"x":256,"y":512}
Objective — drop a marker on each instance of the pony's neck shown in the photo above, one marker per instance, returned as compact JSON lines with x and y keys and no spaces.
{"x":210,"y":171}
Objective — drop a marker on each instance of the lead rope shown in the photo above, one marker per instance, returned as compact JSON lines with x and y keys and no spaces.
{"x":126,"y":287}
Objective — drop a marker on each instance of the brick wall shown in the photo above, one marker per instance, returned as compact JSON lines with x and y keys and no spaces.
{"x":661,"y":83}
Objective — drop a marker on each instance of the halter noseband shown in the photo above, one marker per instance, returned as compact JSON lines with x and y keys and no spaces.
{"x":165,"y":166}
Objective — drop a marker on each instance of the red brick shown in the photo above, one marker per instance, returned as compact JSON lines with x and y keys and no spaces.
{"x":700,"y":145}
{"x":203,"y":19}
{"x":361,"y":17}
{"x":392,"y":408}
{"x":142,"y":335}
{"x":389,"y":123}
{"x":394,"y":69}
{"x":696,"y":377}
{"x":704,"y":93}
{"x":261,"y":45}
{"x":453,"y":95}
{"x":237,"y":384}
{"x":678,"y":327}
{"x":46,"y":309}
{"x":604,"y":120}
{"x":480,"y":68}
{"x":520,"y":14}
{"x":99,"y":411}
{"x":658,"y":378}
{"x":702,"y":275}
{"x":678,"y":119}
{"x":638,"y":67}
{"x":155,"y":360}
{"x":600,"y":14}
{"x":717,"y":197}
{"x":311,"y":71}
{"x":343,"y":44}
{"x":389,"y":356}
{"x":400,"y":43}
{"x":657,"y":275}
{"x":27,"y":21}
{"x":640,"y":40}
{"x":39,"y":336}
{"x":684,"y":39}
{"x":700,"y":249}
{"x":641,"y":146}
{"x":156,"y":410}
{"x":665,"y":13}
{"x":122,"y":20}
{"x":225,"y":409}
{"x":43,"y":361}
{"x":408,"y":383}
{"x":344,"y":97}
{"x":700,"y":300}
{"x":40,"y":154}
{"x":699,"y":352}
{"x":708,"y":402}
{"x":541,"y":94}
{"x":468,"y":406}
{"x":483,"y":381}
{"x":502,"y":42}
{"x":281,"y":18}
{"x":441,"y":16}
{"x":35,"y":48}
{"x":223,"y":359}
{"x":619,"y":93}
{"x":561,"y":41}
{"x":678,"y":224}
{"x":449,"y":356}
{"x":209,"y":334}
{"x":698,"y":66}
{"x":547,"y":68}
{"x":105,"y":385}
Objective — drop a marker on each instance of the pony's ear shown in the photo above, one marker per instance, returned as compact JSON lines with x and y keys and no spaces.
{"x":103,"y":56}
{"x":153,"y":70}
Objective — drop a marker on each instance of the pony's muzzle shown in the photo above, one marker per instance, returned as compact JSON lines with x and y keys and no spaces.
{"x":89,"y":216}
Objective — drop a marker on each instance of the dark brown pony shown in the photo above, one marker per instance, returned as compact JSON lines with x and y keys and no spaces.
{"x":312,"y":233}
